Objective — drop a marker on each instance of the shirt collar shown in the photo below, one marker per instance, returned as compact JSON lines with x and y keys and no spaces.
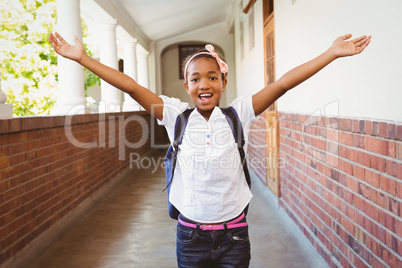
{"x":216,"y":112}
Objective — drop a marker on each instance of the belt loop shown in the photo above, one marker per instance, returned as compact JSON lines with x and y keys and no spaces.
{"x":225,"y":225}
{"x":198,"y":226}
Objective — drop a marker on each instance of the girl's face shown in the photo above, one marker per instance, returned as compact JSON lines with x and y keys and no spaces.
{"x":205,"y":84}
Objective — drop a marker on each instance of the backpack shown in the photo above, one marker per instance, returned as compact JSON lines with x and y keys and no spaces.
{"x":171,"y":155}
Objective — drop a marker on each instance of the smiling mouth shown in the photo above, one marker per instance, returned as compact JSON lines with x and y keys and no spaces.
{"x":205,"y":96}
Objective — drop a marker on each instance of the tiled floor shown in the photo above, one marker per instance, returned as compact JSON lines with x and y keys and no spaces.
{"x":130,"y":227}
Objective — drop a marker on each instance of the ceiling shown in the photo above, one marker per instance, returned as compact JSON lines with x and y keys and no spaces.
{"x":161,"y":19}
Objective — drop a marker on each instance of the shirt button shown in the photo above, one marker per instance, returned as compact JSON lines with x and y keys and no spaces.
{"x":208,"y":143}
{"x":208,"y":136}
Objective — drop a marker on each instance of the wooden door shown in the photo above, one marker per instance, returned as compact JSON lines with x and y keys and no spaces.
{"x":271,"y":114}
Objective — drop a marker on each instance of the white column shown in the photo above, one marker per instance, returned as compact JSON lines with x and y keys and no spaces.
{"x":71,"y":97}
{"x":110,"y":101}
{"x":142,"y":72}
{"x":130,"y":68}
{"x":6,"y":110}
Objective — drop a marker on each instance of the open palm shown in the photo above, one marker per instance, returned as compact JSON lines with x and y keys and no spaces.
{"x":65,"y":49}
{"x":343,"y":47}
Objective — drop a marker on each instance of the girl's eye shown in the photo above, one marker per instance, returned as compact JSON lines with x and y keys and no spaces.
{"x":213,"y":78}
{"x":194,"y":80}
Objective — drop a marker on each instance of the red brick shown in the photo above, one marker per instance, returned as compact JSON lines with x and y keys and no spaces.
{"x":400,"y":247}
{"x":388,"y":185}
{"x":369,"y":127}
{"x":377,"y":163}
{"x":4,"y":163}
{"x":398,"y":226}
{"x":345,"y":124}
{"x":390,"y":167}
{"x":376,"y":129}
{"x":359,"y":172}
{"x":398,"y":171}
{"x":371,"y":211}
{"x":352,"y":155}
{"x":364,"y":159}
{"x":391,"y":131}
{"x":381,"y":217}
{"x":352,"y":184}
{"x":383,"y":130}
{"x":392,"y":149}
{"x":373,"y":178}
{"x":365,"y":191}
{"x":371,"y":144}
{"x":359,"y":203}
{"x":393,"y":206}
{"x":384,"y":147}
{"x":378,"y":264}
{"x":390,"y":222}
{"x":398,"y":150}
{"x":347,"y":138}
{"x":381,"y":200}
{"x":358,"y":141}
{"x":399,"y":132}
{"x":355,"y":126}
{"x":389,"y":258}
{"x":347,"y":167}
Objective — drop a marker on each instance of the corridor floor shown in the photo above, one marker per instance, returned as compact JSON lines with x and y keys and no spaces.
{"x":130,"y":227}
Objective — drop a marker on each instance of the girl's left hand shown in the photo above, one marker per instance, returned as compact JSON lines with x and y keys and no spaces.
{"x":343,"y":47}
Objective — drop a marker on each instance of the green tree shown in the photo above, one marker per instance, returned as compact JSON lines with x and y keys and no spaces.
{"x":28,"y":63}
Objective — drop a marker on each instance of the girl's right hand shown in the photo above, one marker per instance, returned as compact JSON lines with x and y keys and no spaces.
{"x":66,"y":50}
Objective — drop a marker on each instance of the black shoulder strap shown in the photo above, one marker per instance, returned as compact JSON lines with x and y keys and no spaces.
{"x":237,"y":129}
{"x":171,"y":154}
{"x":180,"y":126}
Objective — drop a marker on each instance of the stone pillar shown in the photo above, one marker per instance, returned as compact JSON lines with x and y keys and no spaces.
{"x":130,"y":68}
{"x":6,"y":110}
{"x":143,"y":76}
{"x":71,"y":95}
{"x":110,"y":99}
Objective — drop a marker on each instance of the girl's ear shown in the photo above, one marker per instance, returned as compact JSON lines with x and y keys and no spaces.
{"x":186,"y":87}
{"x":224,"y":83}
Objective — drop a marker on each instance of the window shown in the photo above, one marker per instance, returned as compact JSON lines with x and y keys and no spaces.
{"x":184,"y":52}
{"x":268,"y":7}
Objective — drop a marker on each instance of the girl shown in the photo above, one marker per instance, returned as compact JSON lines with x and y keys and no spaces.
{"x":209,"y":188}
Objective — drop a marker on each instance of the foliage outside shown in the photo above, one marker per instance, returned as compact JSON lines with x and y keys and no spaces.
{"x":28,"y":62}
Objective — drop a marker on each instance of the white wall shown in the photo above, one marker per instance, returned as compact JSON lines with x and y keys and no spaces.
{"x":250,"y":68}
{"x":216,"y":34}
{"x":368,"y":85}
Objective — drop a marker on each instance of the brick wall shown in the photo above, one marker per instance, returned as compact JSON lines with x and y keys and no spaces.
{"x":257,"y":149}
{"x":342,"y":185}
{"x":50,"y":165}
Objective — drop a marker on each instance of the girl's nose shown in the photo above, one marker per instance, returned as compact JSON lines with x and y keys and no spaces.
{"x":204,"y":84}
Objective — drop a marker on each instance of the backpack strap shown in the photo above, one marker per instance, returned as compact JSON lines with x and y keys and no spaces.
{"x":237,"y":130}
{"x":171,"y":155}
{"x":180,"y":126}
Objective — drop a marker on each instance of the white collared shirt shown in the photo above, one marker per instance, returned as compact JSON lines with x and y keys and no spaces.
{"x":209,"y":183}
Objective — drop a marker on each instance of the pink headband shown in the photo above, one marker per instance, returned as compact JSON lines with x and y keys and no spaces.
{"x":222,"y":65}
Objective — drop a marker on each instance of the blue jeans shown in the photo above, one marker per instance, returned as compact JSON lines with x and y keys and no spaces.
{"x":221,"y":248}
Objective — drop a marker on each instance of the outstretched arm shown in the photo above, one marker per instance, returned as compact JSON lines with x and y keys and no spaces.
{"x":340,"y":48}
{"x":143,"y":96}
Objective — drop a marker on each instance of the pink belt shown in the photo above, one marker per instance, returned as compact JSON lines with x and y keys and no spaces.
{"x":228,"y":225}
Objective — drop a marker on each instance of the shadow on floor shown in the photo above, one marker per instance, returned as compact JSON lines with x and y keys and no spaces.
{"x":130,"y":227}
